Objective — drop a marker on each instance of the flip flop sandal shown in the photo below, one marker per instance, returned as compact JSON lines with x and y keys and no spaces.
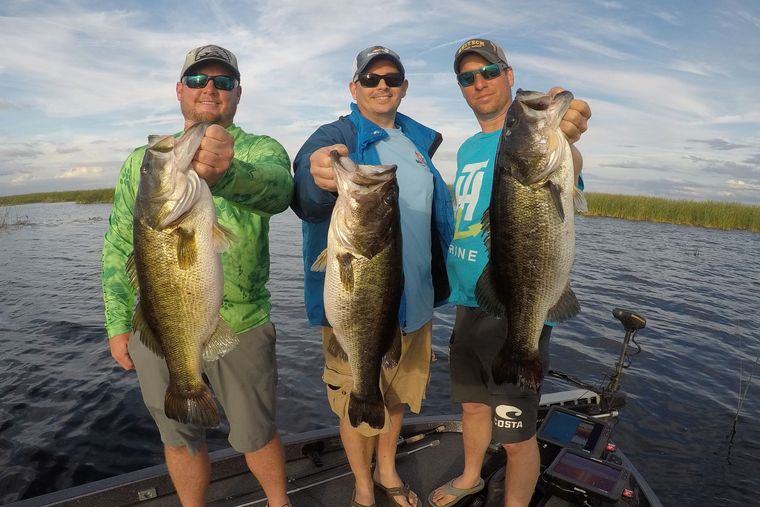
{"x":391,"y":493}
{"x":354,"y":503}
{"x":448,"y":489}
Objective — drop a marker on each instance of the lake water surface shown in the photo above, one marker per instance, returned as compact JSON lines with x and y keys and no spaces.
{"x":70,"y":415}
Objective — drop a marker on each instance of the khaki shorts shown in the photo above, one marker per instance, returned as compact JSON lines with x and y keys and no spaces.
{"x":405,"y":383}
{"x":243,"y":382}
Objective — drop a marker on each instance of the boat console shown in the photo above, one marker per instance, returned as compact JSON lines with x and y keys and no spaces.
{"x":574,"y":450}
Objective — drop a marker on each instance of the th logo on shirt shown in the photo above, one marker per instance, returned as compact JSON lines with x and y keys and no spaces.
{"x":467,"y":189}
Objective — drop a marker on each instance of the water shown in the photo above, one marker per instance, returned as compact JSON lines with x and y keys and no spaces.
{"x":69,"y":415}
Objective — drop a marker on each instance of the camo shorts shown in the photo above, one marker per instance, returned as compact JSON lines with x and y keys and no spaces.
{"x":475,"y":341}
{"x":243,"y":382}
{"x":406,"y":383}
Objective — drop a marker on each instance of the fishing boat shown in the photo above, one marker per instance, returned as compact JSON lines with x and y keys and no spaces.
{"x":580,"y":463}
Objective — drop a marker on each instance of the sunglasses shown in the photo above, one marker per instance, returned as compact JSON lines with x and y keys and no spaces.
{"x":226,"y":83}
{"x":487,"y":72}
{"x":393,"y":80}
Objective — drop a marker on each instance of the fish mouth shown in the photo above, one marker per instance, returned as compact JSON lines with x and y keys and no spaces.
{"x":539,"y":102}
{"x":364,"y":175}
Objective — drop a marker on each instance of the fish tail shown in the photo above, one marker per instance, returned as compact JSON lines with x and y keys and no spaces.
{"x":530,"y":373}
{"x":368,"y":410}
{"x":191,"y":407}
{"x":504,"y":367}
{"x":526,"y":372}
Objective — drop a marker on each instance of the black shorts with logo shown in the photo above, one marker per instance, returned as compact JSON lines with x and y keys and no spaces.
{"x":475,"y":341}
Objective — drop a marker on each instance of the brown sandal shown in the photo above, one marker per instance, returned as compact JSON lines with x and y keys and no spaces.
{"x":404,"y":491}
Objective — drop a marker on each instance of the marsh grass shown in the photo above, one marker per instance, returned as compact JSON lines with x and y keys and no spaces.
{"x":6,"y":220}
{"x":711,"y":214}
{"x":103,"y":195}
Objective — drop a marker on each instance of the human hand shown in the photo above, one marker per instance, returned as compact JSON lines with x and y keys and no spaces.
{"x":321,"y":166}
{"x":214,"y":155}
{"x":575,"y":121}
{"x":119,"y":352}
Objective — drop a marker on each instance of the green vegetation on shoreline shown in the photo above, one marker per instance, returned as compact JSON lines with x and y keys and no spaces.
{"x":711,"y":214}
{"x":99,"y":196}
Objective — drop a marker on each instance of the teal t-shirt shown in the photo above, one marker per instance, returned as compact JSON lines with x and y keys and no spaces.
{"x":415,"y":183}
{"x":468,"y":254}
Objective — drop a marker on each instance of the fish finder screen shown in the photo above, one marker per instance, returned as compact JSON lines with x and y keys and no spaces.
{"x":585,"y":472}
{"x":572,"y":431}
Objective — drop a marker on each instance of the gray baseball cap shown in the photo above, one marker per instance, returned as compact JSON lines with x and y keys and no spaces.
{"x":484,"y":47}
{"x":210,"y":53}
{"x":367,"y":56}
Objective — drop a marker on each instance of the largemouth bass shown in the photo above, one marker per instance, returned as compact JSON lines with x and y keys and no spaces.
{"x":530,"y":233}
{"x":177,"y":268}
{"x":364,"y":280}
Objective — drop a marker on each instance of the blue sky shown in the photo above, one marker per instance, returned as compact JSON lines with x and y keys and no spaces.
{"x":673,"y":85}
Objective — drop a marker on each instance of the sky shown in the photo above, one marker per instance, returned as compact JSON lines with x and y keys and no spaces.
{"x":672,"y":85}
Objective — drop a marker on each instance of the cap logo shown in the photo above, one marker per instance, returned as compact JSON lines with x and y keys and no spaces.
{"x":377,"y":50}
{"x":470,"y":44}
{"x":213,"y":52}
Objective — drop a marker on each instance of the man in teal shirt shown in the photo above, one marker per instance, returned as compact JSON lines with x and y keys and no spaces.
{"x":503,"y":412}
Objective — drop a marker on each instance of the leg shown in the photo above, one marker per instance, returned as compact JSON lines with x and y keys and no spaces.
{"x":244,"y":381}
{"x":268,"y":466}
{"x":359,"y":453}
{"x":476,"y":436}
{"x":385,"y":469}
{"x":190,"y":474}
{"x":523,"y":466}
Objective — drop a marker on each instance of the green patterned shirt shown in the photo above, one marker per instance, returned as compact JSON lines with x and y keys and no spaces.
{"x":257,"y":185}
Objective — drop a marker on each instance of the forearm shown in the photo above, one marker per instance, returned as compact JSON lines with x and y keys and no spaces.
{"x":258,"y":178}
{"x":264,"y":187}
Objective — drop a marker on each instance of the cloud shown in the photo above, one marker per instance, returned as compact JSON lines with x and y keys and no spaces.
{"x":80,"y":173}
{"x":718,"y":144}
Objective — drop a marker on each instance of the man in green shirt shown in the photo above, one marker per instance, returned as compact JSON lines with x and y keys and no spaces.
{"x":249,"y":177}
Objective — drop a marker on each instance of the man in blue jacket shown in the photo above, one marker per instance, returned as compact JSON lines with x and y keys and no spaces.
{"x":375,"y":133}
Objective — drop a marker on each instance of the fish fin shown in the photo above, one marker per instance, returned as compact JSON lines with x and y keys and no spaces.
{"x":185,"y":202}
{"x":222,"y":237}
{"x":579,"y":201}
{"x":222,"y":341}
{"x":526,"y":371}
{"x":187,"y":250}
{"x":556,"y":193}
{"x":504,"y":365}
{"x":369,"y":410}
{"x":193,"y":407}
{"x":321,"y":263}
{"x":346,"y":270}
{"x":334,"y":348}
{"x":393,"y":356}
{"x":132,"y":271}
{"x":486,"y":295}
{"x":147,"y":337}
{"x":485,"y":223}
{"x":566,"y":308}
{"x":514,"y":367}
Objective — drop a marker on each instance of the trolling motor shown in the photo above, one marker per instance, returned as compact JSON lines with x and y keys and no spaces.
{"x":632,"y":322}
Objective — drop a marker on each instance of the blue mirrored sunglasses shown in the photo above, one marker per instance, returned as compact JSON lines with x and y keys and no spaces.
{"x":488,"y":72}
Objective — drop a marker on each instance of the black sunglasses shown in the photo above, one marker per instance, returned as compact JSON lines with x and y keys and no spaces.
{"x":487,"y":72}
{"x":226,"y":83}
{"x":393,"y":80}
